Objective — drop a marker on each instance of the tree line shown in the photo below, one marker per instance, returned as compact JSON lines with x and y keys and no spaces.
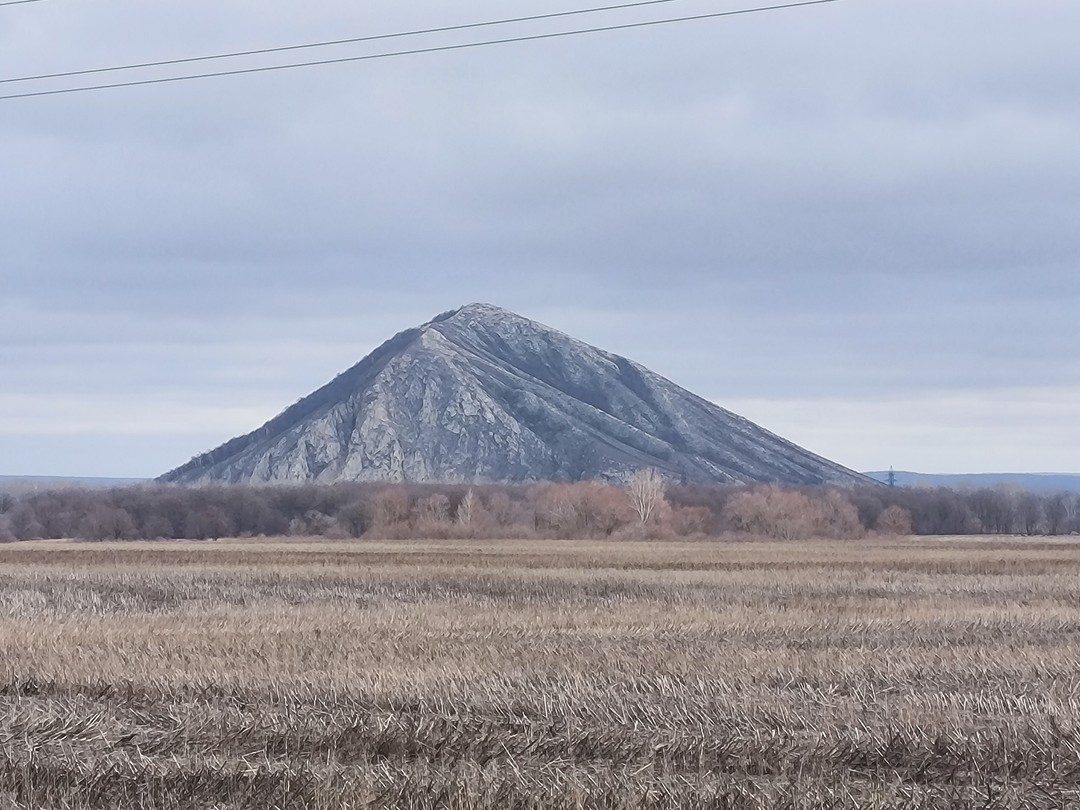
{"x":644,"y":508}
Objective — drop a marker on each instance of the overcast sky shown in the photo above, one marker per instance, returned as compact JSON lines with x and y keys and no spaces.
{"x":855,"y":223}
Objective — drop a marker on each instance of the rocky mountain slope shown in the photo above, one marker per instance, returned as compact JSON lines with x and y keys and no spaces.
{"x":482,"y":394}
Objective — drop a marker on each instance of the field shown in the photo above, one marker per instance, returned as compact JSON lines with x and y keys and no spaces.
{"x":916,"y":673}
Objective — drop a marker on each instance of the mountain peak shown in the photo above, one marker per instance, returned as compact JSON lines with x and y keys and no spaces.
{"x":480,"y":316}
{"x":481,"y":393}
{"x":479,"y":309}
{"x":476,"y":311}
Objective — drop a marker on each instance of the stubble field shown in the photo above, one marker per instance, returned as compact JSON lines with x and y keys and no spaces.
{"x":919,"y":673}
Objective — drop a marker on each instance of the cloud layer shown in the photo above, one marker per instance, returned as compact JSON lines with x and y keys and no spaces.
{"x":854,"y":223}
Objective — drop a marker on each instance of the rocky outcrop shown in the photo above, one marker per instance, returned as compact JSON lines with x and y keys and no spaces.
{"x":482,"y":394}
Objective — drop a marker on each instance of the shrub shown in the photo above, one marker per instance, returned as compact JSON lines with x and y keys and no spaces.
{"x":588,"y":509}
{"x":773,"y":512}
{"x":356,"y":517}
{"x":391,"y":508}
{"x":107,"y":523}
{"x":689,"y":520}
{"x":432,"y":509}
{"x":894,"y":520}
{"x":836,"y":517}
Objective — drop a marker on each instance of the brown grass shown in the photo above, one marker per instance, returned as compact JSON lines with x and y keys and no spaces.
{"x":904,"y":674}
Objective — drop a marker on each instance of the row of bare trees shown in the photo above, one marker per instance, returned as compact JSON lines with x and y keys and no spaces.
{"x":644,"y":507}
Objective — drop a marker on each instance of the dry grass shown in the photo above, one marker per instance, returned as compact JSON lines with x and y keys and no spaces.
{"x":904,"y":674}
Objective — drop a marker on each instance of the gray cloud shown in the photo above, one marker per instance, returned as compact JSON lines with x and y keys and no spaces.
{"x":858,"y":205}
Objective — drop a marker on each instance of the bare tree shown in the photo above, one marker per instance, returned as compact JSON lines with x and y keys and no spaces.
{"x":894,"y":520}
{"x":1072,"y":514}
{"x":1029,"y":512}
{"x":468,"y":508}
{"x":996,"y":509}
{"x":553,"y":508}
{"x":433,"y":509}
{"x":391,"y":507}
{"x":773,"y":512}
{"x":646,"y":491}
{"x":837,"y":516}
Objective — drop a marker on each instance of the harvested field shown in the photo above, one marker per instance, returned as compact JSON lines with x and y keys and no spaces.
{"x":920,"y":673}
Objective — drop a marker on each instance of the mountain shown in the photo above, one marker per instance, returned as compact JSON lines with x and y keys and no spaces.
{"x":1047,"y":483}
{"x":482,"y":394}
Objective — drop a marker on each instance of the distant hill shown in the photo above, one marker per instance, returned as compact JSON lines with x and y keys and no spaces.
{"x":31,"y":483}
{"x":482,"y":394}
{"x":1035,"y":482}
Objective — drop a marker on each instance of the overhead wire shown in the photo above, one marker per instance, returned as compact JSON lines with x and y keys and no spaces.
{"x":417,"y":51}
{"x":332,"y":42}
{"x":18,"y":2}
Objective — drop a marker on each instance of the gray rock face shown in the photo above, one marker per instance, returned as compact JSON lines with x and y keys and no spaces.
{"x":482,"y":394}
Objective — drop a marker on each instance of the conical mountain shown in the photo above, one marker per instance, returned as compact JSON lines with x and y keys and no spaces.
{"x":482,"y":394}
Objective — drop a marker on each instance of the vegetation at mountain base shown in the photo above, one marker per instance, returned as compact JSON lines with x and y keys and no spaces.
{"x":645,"y":508}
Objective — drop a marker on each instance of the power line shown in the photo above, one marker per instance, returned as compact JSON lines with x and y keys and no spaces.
{"x":328,"y":43}
{"x":18,"y":2}
{"x":416,"y":51}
